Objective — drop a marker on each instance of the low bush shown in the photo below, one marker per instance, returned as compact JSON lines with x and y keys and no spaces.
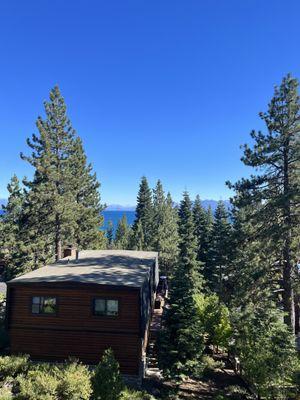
{"x":11,"y":366}
{"x":211,"y":365}
{"x":5,"y":393}
{"x":37,"y":385}
{"x":74,"y":382}
{"x":129,"y":394}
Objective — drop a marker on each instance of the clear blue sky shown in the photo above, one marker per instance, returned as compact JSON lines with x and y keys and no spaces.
{"x":165,"y":88}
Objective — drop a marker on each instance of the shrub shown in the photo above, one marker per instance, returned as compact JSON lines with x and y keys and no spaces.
{"x":267,"y":353}
{"x":237,"y":393}
{"x":11,"y":366}
{"x":74,"y":382}
{"x":129,"y":394}
{"x":107,"y":381}
{"x":215,"y":319}
{"x":211,"y":365}
{"x":5,"y":393}
{"x":38,"y":385}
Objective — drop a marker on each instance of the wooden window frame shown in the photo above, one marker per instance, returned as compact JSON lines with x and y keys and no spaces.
{"x":41,"y":313}
{"x":105,"y":315}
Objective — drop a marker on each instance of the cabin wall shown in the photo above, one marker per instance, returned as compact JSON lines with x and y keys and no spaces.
{"x":75,"y":331}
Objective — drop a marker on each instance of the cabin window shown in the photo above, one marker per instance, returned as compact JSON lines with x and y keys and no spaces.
{"x":43,"y":305}
{"x":106,"y":307}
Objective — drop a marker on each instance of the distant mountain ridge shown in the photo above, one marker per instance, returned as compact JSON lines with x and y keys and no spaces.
{"x":119,"y":207}
{"x":205,"y":203}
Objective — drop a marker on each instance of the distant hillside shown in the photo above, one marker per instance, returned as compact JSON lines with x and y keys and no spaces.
{"x":119,"y":207}
{"x":205,"y":203}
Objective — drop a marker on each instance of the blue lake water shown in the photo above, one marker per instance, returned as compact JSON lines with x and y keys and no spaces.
{"x":115,"y":216}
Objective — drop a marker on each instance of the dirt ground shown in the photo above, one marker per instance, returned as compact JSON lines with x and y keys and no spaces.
{"x":223,"y":381}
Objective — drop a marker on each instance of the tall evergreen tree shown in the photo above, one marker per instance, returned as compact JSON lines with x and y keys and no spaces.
{"x":62,"y":203}
{"x":110,"y":234}
{"x":137,"y":239}
{"x":167,"y":238}
{"x":88,"y":208}
{"x":220,"y":251}
{"x":182,"y":341}
{"x":275,"y":189}
{"x":12,"y":238}
{"x":123,"y":234}
{"x":165,"y":229}
{"x":203,"y":221}
{"x":144,"y":216}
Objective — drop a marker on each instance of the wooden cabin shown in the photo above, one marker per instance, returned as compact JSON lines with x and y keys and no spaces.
{"x":84,"y":304}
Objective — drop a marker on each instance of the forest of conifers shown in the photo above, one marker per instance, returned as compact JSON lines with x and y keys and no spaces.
{"x":234,"y":274}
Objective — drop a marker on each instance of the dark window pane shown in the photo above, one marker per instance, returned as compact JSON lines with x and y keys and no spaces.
{"x":35,"y":308}
{"x":99,"y":307}
{"x":112,"y":307}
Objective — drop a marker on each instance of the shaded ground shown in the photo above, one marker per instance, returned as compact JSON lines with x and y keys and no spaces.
{"x":221,"y":381}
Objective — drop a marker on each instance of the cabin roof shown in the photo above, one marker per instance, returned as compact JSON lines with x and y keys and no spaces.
{"x":103,"y":267}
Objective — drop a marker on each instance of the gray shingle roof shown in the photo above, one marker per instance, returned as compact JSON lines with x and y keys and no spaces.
{"x":103,"y":267}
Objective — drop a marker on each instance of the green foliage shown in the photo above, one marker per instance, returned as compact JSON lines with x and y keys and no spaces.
{"x":38,"y":385}
{"x":11,"y":366}
{"x":68,"y":381}
{"x":210,"y":364}
{"x":203,"y":221}
{"x":143,"y":224}
{"x":6,"y":393}
{"x":266,"y":349}
{"x":62,"y":204}
{"x":215,"y":319}
{"x":107,"y":381}
{"x":220,"y":253}
{"x":272,"y":194}
{"x":74,"y":382}
{"x":110,"y":234}
{"x":181,"y":341}
{"x":165,"y":230}
{"x":130,"y":394}
{"x":12,"y":234}
{"x":238,"y":393}
{"x":123,"y":234}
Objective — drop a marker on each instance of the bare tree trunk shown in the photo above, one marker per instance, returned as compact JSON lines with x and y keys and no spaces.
{"x":297,"y":314}
{"x":58,"y":246}
{"x":288,"y":292}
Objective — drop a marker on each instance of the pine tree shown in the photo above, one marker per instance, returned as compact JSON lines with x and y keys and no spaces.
{"x":137,"y":240}
{"x":12,"y":238}
{"x":123,"y":234}
{"x":203,"y":221}
{"x":110,"y":234}
{"x":144,"y":216}
{"x":62,"y":202}
{"x":181,"y":340}
{"x":220,"y":252}
{"x":167,"y":238}
{"x":165,"y":229}
{"x":107,"y":381}
{"x":275,"y":189}
{"x":51,"y":202}
{"x":86,"y":188}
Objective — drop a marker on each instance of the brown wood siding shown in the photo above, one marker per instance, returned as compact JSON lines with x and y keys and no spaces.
{"x":88,"y":347}
{"x":75,"y":331}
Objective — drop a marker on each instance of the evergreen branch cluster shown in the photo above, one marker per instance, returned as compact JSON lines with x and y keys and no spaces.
{"x":60,"y":206}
